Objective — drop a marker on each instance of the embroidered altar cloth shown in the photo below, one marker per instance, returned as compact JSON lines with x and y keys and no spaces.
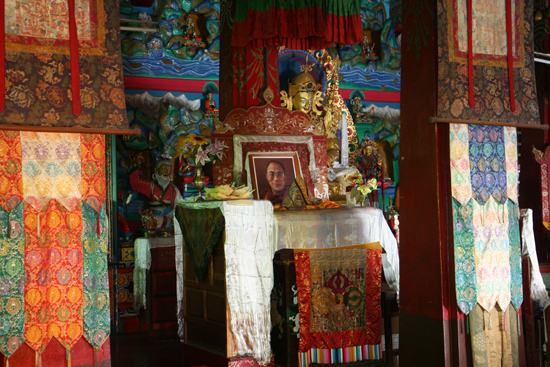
{"x":339,"y":227}
{"x":339,"y":296}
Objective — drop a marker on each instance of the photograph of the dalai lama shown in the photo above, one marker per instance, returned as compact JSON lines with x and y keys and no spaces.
{"x":275,"y":174}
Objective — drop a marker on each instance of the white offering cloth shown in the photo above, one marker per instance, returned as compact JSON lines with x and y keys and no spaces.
{"x":249,"y":276}
{"x":338,"y":227}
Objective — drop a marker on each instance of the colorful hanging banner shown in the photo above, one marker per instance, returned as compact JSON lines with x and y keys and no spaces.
{"x":93,"y":170}
{"x":511,"y":154}
{"x":42,"y":85}
{"x":486,"y":227}
{"x":488,"y":173}
{"x":465,"y":265}
{"x":96,"y":316}
{"x":516,"y":279}
{"x":53,"y":264}
{"x":51,"y":169}
{"x":49,"y":285}
{"x":12,"y":280}
{"x":492,"y":254}
{"x":339,"y":296}
{"x":486,"y":61}
{"x":461,"y":184}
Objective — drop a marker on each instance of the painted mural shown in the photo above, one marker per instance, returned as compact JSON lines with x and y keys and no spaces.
{"x":381,"y":37}
{"x":172,"y":39}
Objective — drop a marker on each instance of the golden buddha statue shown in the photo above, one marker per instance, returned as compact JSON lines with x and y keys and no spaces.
{"x":303,"y":93}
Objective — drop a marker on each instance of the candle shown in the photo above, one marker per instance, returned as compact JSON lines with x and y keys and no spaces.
{"x":344,"y":149}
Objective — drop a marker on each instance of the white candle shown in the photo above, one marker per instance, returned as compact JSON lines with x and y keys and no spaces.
{"x":344,"y":149}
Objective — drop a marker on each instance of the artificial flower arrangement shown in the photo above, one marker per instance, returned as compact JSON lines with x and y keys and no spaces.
{"x":200,"y":150}
{"x":360,"y":191}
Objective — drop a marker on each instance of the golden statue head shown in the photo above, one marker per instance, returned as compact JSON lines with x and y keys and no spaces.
{"x":302,"y":88}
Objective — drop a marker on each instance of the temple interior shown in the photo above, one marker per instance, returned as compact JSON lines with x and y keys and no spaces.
{"x":208,"y":183}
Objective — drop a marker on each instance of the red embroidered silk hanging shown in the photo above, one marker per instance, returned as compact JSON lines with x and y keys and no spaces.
{"x":62,"y":64}
{"x":53,"y":269}
{"x":53,"y":262}
{"x":339,"y":296}
{"x":486,"y":61}
{"x":301,"y":25}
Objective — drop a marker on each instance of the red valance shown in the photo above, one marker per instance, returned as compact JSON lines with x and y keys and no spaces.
{"x":301,"y":24}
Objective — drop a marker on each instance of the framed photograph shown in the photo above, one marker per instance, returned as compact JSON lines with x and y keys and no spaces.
{"x":272,"y":173}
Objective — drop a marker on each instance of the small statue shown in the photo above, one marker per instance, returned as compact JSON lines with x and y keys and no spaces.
{"x":370,"y":161}
{"x":161,"y":192}
{"x":190,"y":33}
{"x":210,"y":105}
{"x":148,"y":220}
{"x":368,"y":50}
{"x":356,"y":107}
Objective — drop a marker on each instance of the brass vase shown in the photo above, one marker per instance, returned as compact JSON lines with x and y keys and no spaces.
{"x":199,"y":181}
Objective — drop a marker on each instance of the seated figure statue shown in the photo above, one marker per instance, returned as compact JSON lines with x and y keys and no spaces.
{"x":370,"y":162}
{"x":161,"y":192}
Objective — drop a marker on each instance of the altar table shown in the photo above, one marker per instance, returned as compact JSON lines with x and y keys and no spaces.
{"x":253,"y":233}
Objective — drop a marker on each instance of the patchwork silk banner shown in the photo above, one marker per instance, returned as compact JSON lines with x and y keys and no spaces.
{"x":487,"y":255}
{"x":42,"y":87}
{"x":511,"y":153}
{"x":11,"y":184}
{"x":49,"y":286}
{"x":488,"y":163}
{"x":51,"y":169}
{"x":492,"y":254}
{"x":96,"y":316}
{"x":12,"y":280}
{"x":460,"y":163}
{"x":486,"y":61}
{"x":53,"y":265}
{"x":465,"y":265}
{"x":516,"y":280}
{"x":339,"y":296}
{"x":93,"y":170}
{"x":486,"y":227}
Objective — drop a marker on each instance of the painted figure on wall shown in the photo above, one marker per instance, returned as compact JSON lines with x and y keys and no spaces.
{"x":160,"y":191}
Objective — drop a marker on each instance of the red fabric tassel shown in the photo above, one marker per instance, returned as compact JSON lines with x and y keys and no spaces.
{"x":470,"y":55}
{"x":2,"y":57}
{"x":510,"y":54}
{"x":75,"y":65}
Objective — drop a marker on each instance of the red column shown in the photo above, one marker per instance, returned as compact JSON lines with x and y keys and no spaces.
{"x":244,"y":72}
{"x":432,"y":330}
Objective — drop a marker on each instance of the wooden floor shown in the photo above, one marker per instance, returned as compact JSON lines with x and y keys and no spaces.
{"x":160,"y":348}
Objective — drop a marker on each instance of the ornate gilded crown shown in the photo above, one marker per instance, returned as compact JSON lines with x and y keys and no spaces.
{"x":303,"y":82}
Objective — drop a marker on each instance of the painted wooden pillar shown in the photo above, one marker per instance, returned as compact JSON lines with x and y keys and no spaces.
{"x":432,"y":330}
{"x":245,"y":72}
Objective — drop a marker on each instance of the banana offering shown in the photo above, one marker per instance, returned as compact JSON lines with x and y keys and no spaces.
{"x":226,"y":192}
